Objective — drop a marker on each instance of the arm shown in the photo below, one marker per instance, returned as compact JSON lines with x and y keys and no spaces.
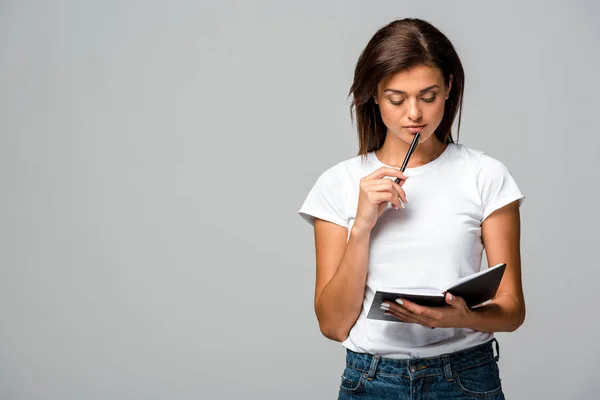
{"x":343,"y":262}
{"x":506,"y":312}
{"x":341,"y":276}
{"x":501,"y":233}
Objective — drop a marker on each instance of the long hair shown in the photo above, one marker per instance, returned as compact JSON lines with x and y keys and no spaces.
{"x":398,"y":46}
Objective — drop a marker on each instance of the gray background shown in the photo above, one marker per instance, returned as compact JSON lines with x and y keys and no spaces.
{"x":153,"y":156}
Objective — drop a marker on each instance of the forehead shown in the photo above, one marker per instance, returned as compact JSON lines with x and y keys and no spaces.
{"x":413,"y":79}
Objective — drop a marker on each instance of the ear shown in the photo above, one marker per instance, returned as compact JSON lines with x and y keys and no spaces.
{"x":449,"y":86}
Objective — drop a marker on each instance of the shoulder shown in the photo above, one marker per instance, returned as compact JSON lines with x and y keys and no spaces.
{"x":479,"y":159}
{"x":465,"y":154}
{"x":348,"y":170}
{"x":329,"y":197}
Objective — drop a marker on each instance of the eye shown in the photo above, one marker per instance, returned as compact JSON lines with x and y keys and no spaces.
{"x":396,"y":103}
{"x":428,"y":99}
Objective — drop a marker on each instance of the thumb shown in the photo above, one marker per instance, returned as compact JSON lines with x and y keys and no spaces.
{"x":455,"y":301}
{"x":450,"y":299}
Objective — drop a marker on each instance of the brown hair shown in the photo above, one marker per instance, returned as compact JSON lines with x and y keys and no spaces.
{"x":400,"y":45}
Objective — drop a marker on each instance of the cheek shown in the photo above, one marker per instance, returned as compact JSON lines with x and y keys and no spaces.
{"x":437,"y":112}
{"x":390,"y":114}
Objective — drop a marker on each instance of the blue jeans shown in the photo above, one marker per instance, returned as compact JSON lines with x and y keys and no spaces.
{"x":466,"y":374}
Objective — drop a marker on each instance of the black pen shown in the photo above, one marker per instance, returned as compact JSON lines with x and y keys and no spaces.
{"x":411,"y":150}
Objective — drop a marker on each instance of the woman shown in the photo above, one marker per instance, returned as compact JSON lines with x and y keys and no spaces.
{"x":428,"y":230}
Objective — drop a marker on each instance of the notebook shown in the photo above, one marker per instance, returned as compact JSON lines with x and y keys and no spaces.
{"x":474,"y":289}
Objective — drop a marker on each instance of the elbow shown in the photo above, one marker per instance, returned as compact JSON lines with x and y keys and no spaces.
{"x":332,"y":329}
{"x":333,"y":333}
{"x":333,"y":325}
{"x":518,"y":320}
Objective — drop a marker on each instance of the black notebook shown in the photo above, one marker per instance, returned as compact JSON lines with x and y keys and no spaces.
{"x":474,"y":289}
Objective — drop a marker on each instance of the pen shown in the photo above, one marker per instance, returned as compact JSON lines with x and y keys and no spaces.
{"x":411,"y":149}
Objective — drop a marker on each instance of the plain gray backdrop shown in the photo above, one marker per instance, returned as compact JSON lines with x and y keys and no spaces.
{"x":153,"y":156}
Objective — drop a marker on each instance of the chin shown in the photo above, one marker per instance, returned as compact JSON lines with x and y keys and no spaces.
{"x":408,"y":137}
{"x":426,"y":137}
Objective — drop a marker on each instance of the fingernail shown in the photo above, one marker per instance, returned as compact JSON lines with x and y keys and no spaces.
{"x":399,"y":301}
{"x":402,"y":205}
{"x":385,"y":306}
{"x":387,"y":313}
{"x":450,"y":296}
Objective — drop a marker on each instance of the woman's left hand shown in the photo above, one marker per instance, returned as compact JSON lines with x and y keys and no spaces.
{"x":456,"y":314}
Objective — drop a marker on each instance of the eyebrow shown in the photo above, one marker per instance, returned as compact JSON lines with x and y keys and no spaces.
{"x":422,"y":91}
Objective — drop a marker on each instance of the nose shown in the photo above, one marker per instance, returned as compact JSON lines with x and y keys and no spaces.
{"x":414,"y":112}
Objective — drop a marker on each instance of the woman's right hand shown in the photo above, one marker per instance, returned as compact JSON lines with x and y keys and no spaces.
{"x":376,"y":192}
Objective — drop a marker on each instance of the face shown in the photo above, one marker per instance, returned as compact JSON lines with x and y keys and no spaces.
{"x":413,"y":101}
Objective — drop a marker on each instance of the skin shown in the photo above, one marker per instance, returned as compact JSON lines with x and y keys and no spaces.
{"x":413,"y":107}
{"x":412,"y":97}
{"x":506,"y":312}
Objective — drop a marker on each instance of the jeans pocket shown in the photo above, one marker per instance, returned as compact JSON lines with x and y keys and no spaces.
{"x":481,"y":382}
{"x":352,"y":381}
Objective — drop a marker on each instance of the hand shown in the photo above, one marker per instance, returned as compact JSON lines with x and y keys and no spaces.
{"x":375,"y":194}
{"x":455,"y":314}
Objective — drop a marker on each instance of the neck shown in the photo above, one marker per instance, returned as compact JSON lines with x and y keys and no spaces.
{"x":394,"y":150}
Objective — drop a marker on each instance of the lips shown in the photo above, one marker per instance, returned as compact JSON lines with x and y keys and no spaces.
{"x":415,"y":128}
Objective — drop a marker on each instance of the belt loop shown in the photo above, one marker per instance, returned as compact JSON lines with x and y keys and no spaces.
{"x":374,"y":362}
{"x":497,"y":357}
{"x":447,"y":367}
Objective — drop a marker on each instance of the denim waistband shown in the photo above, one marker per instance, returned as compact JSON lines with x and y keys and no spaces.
{"x":445,"y":364}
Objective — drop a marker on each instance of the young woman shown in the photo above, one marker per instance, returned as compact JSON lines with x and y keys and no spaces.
{"x":428,"y":230}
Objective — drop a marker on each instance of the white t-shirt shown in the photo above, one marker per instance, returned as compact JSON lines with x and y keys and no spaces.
{"x":433,"y":242}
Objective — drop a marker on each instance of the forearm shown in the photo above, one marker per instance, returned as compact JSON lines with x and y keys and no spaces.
{"x":340,"y":302}
{"x":503,"y":314}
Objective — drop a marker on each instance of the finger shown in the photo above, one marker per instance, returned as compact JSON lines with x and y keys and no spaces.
{"x":455,"y":301}
{"x":387,"y":185}
{"x":401,"y":318}
{"x":421,"y":311}
{"x":400,"y":192}
{"x":377,"y":198}
{"x":400,"y":181}
{"x":395,"y":312}
{"x":380,"y":185}
{"x":401,"y":310}
{"x":407,"y":316}
{"x":387,"y":171}
{"x":401,"y":313}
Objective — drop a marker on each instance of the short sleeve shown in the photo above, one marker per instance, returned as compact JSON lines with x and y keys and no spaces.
{"x":324,"y":200}
{"x":496,"y":185}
